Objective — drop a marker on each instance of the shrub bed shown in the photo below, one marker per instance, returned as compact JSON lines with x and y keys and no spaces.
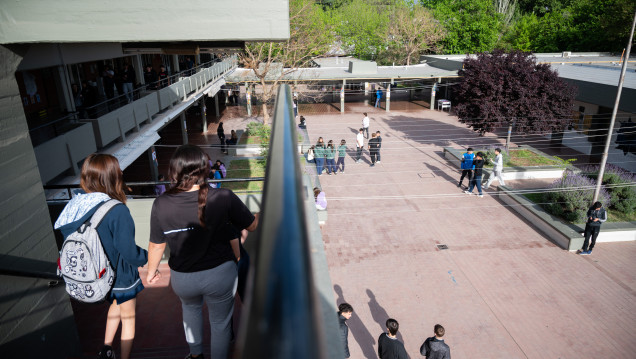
{"x":620,"y":185}
{"x":573,"y":197}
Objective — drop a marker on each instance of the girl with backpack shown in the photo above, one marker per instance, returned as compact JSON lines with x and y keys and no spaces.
{"x":102,"y":180}
{"x":193,"y":221}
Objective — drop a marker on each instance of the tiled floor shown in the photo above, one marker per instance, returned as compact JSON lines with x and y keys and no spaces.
{"x":502,"y":290}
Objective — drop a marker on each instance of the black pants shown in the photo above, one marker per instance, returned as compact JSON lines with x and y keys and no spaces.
{"x":374,"y":155}
{"x":590,"y":231}
{"x":466,"y":173}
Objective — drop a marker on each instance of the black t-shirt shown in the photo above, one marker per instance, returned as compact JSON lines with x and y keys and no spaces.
{"x":374,"y":144}
{"x":193,"y":248}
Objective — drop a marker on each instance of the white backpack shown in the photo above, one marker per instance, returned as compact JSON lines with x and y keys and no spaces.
{"x":83,"y":263}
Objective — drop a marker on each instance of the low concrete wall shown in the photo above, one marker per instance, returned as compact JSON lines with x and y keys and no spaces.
{"x":567,"y":236}
{"x":510,"y":173}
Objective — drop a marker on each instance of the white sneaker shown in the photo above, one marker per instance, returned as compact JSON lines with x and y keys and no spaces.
{"x":481,"y":196}
{"x":377,"y":162}
{"x":468,"y":193}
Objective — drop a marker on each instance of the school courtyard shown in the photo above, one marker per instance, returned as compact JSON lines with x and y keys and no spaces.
{"x":501,"y":289}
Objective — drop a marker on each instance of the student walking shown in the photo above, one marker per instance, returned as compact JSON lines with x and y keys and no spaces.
{"x":342,"y":153}
{"x":434,"y":347}
{"x":496,"y":170}
{"x":378,"y":97}
{"x":365,"y":124}
{"x":467,"y":166}
{"x":319,"y":156}
{"x":359,"y":145}
{"x":389,"y":347}
{"x":596,"y":215}
{"x":191,"y":219}
{"x":330,"y":155}
{"x":374,"y":146}
{"x":102,"y":180}
{"x":377,"y":135}
{"x":345,"y":310}
{"x":478,"y":165}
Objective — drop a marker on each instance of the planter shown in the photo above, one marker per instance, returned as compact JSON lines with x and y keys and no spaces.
{"x":567,"y":236}
{"x":513,"y":173}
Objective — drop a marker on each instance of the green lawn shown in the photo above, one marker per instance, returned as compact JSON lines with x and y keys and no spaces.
{"x":524,"y":158}
{"x":245,"y":169}
{"x":612,"y":215}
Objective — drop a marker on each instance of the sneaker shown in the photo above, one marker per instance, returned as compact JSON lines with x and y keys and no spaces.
{"x":107,"y":352}
{"x":342,"y":171}
{"x":378,"y":161}
{"x":468,"y":193}
{"x":335,"y":173}
{"x":459,"y":185}
{"x":484,"y":187}
{"x":372,"y":165}
{"x":481,"y":196}
{"x":585,"y":253}
{"x":329,"y":173}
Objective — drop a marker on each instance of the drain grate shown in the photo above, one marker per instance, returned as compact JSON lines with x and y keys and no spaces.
{"x":442,"y":246}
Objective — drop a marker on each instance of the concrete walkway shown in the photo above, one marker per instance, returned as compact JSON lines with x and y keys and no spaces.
{"x":501,"y":289}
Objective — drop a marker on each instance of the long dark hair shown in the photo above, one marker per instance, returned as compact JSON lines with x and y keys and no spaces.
{"x":189,"y":166}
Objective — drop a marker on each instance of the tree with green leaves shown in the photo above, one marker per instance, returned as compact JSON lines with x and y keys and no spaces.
{"x":510,"y":89}
{"x":271,"y":62}
{"x":471,"y":25}
{"x":412,"y":30}
{"x":361,"y":27}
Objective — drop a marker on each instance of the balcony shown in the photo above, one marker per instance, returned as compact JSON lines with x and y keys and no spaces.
{"x":76,"y":139}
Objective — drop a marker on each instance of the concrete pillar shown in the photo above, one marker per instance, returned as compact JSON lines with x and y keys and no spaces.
{"x":64,"y":88}
{"x":204,"y":118}
{"x":175,"y":64}
{"x":387,"y":103}
{"x":139,"y":69}
{"x":40,"y":323}
{"x":433,"y":90}
{"x":248,"y":97}
{"x":154,"y":163}
{"x":184,"y":128}
{"x":366,"y":88}
{"x":216,"y":105}
{"x":197,"y":59}
{"x":342,"y":96}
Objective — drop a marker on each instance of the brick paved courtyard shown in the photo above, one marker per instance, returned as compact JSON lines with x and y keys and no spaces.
{"x":502,"y":289}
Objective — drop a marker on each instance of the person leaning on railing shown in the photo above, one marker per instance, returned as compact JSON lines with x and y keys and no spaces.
{"x":191,"y":218}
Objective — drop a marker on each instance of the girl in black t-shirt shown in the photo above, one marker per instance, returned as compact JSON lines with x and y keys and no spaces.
{"x":191,"y":218}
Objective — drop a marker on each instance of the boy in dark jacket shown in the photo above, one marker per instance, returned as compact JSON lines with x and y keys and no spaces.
{"x":478,"y":165}
{"x":434,"y":347}
{"x":596,"y":215}
{"x":345,"y":310}
{"x":389,"y":347}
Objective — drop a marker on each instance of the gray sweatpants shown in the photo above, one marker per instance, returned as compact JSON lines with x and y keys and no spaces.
{"x":217,"y":287}
{"x":498,"y":175}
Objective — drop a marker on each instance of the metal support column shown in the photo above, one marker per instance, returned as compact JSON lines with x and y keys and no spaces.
{"x":154,"y":163}
{"x":184,"y":128}
{"x":216,"y":104}
{"x":433,"y":95}
{"x":342,"y":96}
{"x":204,"y":117}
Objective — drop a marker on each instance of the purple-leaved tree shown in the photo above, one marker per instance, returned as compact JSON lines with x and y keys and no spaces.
{"x":501,"y":88}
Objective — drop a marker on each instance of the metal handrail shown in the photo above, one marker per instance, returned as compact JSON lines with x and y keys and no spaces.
{"x":68,"y":187}
{"x":281,"y":316}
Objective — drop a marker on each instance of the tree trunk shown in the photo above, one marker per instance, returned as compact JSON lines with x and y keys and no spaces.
{"x":265,"y":114}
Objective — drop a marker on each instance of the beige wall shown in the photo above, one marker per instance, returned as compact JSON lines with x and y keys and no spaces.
{"x":28,"y":21}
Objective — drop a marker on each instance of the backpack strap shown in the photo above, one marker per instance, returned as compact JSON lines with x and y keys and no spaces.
{"x":101,"y":212}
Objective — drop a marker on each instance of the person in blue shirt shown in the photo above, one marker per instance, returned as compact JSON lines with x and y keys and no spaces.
{"x":378,"y":97}
{"x":467,"y":166}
